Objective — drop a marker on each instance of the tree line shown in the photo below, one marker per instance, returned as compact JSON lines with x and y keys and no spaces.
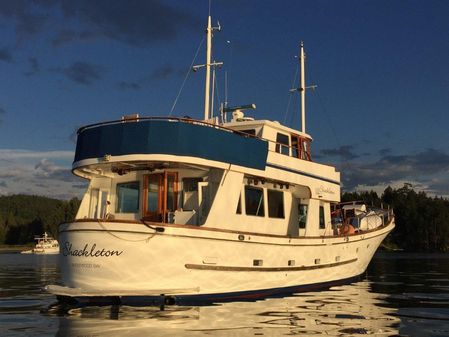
{"x":22,"y":217}
{"x":422,"y":222}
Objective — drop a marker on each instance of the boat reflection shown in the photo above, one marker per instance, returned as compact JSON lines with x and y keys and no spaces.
{"x":346,"y":310}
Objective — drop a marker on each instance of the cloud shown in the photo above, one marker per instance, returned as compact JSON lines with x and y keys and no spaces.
{"x":45,"y":173}
{"x":5,"y":55}
{"x":345,"y":152}
{"x":163,"y":73}
{"x":34,"y":66}
{"x":68,"y":35}
{"x":27,"y":154}
{"x":47,"y":169}
{"x":124,"y":85}
{"x":2,"y":112}
{"x":159,"y":74}
{"x":28,"y":19}
{"x":82,"y":72}
{"x":133,"y":22}
{"x":3,"y":184}
{"x":384,"y":152}
{"x":424,"y":168}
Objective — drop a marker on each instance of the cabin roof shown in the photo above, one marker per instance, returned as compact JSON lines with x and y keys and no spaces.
{"x":241,"y":125}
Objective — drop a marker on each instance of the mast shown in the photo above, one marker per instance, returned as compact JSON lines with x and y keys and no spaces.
{"x":208,"y":65}
{"x":208,"y":58}
{"x":302,"y":89}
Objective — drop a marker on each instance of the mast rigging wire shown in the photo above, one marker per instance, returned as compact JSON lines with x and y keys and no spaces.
{"x":185,"y":78}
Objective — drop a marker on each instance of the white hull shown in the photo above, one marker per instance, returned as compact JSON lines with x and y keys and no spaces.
{"x":119,"y":259}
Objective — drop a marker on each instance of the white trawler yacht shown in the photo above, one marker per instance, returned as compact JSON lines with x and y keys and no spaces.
{"x":181,"y":209}
{"x":45,"y":245}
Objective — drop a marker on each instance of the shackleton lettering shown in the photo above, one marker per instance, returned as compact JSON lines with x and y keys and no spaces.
{"x":68,"y":250}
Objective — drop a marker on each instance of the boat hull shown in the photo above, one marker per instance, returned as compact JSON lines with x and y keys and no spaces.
{"x":114,"y":259}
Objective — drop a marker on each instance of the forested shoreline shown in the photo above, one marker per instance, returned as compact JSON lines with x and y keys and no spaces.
{"x":22,"y":217}
{"x":422,"y":222}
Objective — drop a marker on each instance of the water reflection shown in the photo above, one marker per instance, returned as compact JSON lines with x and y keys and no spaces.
{"x":350,"y":309}
{"x":406,"y":295}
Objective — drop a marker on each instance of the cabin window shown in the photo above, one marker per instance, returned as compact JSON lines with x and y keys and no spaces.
{"x":128,"y":197}
{"x":190,"y":193}
{"x":296,"y":150}
{"x":302,"y":215}
{"x":322,"y":223}
{"x":172,"y":202}
{"x":251,"y":132}
{"x":275,"y":204}
{"x":254,"y":201}
{"x":282,"y":144}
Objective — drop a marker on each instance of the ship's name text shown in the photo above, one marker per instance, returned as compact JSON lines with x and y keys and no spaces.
{"x":88,"y":251}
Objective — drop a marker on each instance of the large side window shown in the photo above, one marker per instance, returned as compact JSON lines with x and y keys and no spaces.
{"x":190,"y":195}
{"x":282,"y":145}
{"x":128,"y":197}
{"x":275,"y":204}
{"x":254,"y":203}
{"x":322,"y":223}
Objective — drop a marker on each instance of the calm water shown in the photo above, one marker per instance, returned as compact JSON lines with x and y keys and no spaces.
{"x":402,"y":295}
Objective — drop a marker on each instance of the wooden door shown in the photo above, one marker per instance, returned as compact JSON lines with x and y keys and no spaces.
{"x":160,"y":196}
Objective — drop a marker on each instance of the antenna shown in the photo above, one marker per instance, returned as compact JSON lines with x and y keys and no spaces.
{"x":302,"y":87}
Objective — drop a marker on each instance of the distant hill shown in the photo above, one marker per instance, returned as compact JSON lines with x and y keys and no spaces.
{"x":24,"y":216}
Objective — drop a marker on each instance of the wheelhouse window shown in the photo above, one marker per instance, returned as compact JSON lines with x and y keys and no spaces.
{"x":300,"y":147}
{"x":275,"y":204}
{"x":302,"y":215}
{"x":322,"y":223}
{"x":254,"y":203}
{"x":282,"y":144}
{"x":128,"y":197}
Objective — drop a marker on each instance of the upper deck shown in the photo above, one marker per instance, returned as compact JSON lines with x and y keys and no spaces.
{"x":168,"y":136}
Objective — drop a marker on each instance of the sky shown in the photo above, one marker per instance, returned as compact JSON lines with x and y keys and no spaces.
{"x":380,"y":113}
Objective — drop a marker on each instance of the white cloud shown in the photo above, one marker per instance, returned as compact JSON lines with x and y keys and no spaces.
{"x":8,"y":154}
{"x":45,"y":173}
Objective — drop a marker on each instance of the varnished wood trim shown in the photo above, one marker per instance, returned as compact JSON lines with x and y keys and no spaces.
{"x":267,"y":269}
{"x":159,"y":224}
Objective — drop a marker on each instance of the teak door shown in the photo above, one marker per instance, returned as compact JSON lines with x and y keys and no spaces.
{"x":160,"y":196}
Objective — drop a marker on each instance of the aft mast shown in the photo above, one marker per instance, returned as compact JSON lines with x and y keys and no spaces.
{"x":302,"y":87}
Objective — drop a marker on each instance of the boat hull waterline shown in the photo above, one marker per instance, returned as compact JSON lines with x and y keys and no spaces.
{"x":115,"y":259}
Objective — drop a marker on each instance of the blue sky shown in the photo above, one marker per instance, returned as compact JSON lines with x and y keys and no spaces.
{"x":380,"y":113}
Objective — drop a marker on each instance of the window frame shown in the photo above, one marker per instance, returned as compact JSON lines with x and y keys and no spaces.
{"x":322,"y":218}
{"x":276,"y":209}
{"x":118,"y":198}
{"x":261,"y":203}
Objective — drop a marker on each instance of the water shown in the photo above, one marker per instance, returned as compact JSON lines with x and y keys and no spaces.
{"x":401,"y":295}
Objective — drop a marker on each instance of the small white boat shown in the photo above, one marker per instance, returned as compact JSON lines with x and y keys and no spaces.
{"x":210,"y":209}
{"x":45,"y":245}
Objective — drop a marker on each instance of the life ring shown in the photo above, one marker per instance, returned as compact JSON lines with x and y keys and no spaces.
{"x":346,"y":229}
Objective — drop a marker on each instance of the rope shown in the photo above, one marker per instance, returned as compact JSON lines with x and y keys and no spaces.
{"x":185,"y":78}
{"x":117,"y":237}
{"x":290,"y":94}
